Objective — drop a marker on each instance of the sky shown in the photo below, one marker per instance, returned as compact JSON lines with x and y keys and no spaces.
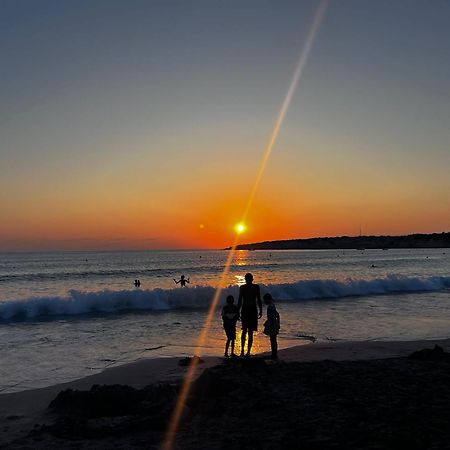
{"x":142,"y":124}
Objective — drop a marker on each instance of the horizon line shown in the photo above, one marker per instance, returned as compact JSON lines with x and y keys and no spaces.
{"x":188,"y":249}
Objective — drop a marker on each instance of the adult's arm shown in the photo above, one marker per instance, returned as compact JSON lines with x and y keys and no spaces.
{"x":239,"y":305}
{"x":258,"y":300}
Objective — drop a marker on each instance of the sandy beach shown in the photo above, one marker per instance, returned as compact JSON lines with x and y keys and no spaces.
{"x":352,"y":378}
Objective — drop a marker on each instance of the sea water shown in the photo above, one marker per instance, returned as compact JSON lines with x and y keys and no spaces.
{"x":70,"y":314}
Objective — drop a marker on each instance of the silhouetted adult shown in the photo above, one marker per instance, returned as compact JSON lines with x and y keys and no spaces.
{"x":250,"y":310}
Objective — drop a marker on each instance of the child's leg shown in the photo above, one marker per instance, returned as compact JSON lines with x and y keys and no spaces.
{"x":274,"y":345}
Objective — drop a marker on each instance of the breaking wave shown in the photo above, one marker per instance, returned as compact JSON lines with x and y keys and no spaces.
{"x":78,"y":303}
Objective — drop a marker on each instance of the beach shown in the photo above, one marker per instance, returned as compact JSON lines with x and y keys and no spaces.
{"x":88,"y":362}
{"x":314,"y":396}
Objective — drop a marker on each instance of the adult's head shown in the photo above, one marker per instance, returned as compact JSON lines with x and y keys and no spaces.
{"x":248,"y":278}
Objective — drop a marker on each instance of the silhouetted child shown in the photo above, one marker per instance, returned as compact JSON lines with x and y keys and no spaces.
{"x":272,"y":324}
{"x":182,"y":280}
{"x":230,"y":315}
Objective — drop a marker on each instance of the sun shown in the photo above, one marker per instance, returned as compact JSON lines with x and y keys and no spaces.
{"x":240,"y":228}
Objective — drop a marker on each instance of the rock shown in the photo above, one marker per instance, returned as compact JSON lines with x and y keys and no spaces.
{"x":115,"y":410}
{"x":186,"y":361}
{"x":428,"y":354}
{"x":99,"y":401}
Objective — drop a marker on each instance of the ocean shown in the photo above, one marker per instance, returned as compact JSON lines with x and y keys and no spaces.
{"x":70,"y":314}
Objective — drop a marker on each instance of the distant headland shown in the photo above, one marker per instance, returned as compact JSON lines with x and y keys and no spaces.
{"x":433,"y":240}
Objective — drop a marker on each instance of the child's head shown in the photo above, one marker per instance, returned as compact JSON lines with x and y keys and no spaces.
{"x":230,"y":300}
{"x":267,"y":298}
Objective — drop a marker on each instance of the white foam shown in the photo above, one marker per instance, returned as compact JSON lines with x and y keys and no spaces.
{"x":79,"y":303}
{"x":318,"y":289}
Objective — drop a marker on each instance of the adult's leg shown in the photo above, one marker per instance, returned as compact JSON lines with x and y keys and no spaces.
{"x":250,"y":341}
{"x":232,"y":347}
{"x":226,"y":347}
{"x":274,"y":345}
{"x":243,"y":337}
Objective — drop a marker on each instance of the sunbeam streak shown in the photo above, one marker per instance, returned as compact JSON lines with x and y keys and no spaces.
{"x":187,"y":382}
{"x":318,"y":18}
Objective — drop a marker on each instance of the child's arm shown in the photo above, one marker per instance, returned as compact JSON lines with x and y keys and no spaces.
{"x":176,"y":282}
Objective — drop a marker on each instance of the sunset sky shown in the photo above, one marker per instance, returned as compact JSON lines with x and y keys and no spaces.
{"x":142,"y":124}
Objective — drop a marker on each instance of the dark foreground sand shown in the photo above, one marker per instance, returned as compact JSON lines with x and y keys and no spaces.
{"x":366,"y":395}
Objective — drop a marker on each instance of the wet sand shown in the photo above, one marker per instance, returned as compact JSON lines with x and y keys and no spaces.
{"x":323,"y":395}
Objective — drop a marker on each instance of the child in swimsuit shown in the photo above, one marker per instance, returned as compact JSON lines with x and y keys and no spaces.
{"x":272,"y":324}
{"x":230,"y":314}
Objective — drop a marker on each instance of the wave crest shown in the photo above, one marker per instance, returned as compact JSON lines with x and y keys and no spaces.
{"x":79,"y":303}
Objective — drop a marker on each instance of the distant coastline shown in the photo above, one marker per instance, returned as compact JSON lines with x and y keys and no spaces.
{"x":433,"y":240}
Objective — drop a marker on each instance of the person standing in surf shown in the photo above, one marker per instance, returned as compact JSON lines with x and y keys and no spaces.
{"x":250,"y":310}
{"x":183,"y":280}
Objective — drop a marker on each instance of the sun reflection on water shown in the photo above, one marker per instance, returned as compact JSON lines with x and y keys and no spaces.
{"x":241,"y":257}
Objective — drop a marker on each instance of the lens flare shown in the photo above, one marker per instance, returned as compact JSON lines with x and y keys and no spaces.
{"x":187,"y":382}
{"x":318,"y":18}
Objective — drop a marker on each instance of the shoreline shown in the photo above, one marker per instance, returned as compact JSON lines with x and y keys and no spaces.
{"x":21,"y":411}
{"x":145,"y":371}
{"x":165,"y":368}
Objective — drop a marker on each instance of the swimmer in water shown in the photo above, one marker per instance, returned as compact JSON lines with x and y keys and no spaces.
{"x":182,"y":280}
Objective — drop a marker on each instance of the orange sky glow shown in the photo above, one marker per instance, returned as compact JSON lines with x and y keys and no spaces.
{"x":153,"y":139}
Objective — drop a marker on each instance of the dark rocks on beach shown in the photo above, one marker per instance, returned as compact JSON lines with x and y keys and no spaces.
{"x":99,"y":401}
{"x":379,"y":404}
{"x":112,"y":410}
{"x":427,"y":354}
{"x":184,"y":362}
{"x":256,"y":404}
